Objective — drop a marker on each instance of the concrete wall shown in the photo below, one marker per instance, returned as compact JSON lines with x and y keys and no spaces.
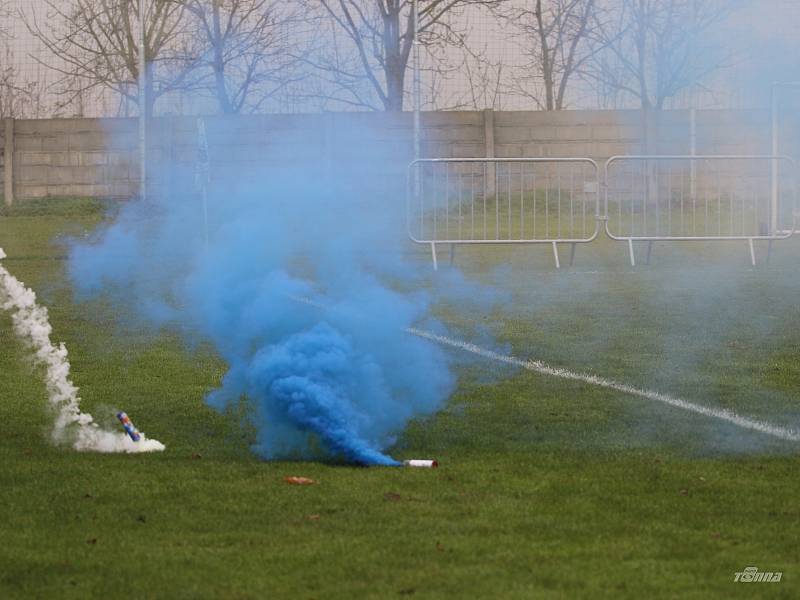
{"x":98,"y":158}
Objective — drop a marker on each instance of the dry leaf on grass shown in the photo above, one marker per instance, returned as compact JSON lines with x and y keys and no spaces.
{"x":299,"y":480}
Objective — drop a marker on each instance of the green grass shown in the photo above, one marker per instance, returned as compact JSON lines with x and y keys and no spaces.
{"x":547,"y":488}
{"x":552,"y":214}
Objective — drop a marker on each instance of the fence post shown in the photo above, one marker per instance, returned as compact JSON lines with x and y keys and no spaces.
{"x":488,"y":136}
{"x":8,"y":175}
{"x":773,"y":205}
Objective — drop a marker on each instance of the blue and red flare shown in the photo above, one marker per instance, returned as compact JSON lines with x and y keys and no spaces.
{"x":129,"y":427}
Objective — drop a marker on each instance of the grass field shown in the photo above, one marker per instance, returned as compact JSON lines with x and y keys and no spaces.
{"x":547,"y":487}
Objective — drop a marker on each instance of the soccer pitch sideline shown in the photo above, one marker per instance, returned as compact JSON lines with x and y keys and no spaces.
{"x":549,"y":486}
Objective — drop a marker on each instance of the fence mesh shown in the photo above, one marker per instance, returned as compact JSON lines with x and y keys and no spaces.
{"x":486,"y":58}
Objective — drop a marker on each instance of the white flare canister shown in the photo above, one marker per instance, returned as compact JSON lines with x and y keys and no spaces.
{"x":421,"y":464}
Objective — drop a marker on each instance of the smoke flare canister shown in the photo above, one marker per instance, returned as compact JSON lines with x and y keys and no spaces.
{"x":129,"y":427}
{"x":421,"y":464}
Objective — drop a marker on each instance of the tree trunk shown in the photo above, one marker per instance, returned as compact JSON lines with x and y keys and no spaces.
{"x":548,"y":89}
{"x":395,"y":84}
{"x":395,"y":60}
{"x":547,"y":58}
{"x":225,"y":105}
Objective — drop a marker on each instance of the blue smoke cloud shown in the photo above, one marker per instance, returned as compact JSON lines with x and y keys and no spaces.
{"x":283,"y":240}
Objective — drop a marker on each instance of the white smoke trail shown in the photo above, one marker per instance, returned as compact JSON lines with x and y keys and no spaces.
{"x":32,"y":326}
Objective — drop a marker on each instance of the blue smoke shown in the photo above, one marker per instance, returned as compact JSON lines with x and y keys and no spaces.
{"x":284,"y":241}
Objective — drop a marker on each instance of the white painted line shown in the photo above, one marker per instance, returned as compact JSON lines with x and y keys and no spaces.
{"x":536,"y":366}
{"x":544,"y":369}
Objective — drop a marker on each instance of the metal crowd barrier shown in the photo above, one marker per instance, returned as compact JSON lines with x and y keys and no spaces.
{"x":456,"y":201}
{"x":553,"y":201}
{"x":699,"y":198}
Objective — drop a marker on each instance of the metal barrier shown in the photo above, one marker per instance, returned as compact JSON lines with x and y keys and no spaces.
{"x":503,"y":201}
{"x":700,"y":198}
{"x":648,"y":198}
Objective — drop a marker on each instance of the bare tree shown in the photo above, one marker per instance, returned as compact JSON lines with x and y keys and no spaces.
{"x":380,"y":35}
{"x":484,"y":79}
{"x":651,"y":48}
{"x":251,"y":49}
{"x":651,"y":52}
{"x":554,"y":36}
{"x":4,"y":14}
{"x":94,"y":45}
{"x":18,"y":98}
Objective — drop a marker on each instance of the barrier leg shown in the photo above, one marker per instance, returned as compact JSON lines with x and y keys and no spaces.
{"x":572,"y":254}
{"x":555,"y":255}
{"x":630,"y":251}
{"x":752,"y":252}
{"x":649,"y":250}
{"x":452,"y":254}
{"x":433,"y":255}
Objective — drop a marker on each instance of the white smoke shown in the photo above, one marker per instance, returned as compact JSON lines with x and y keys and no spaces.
{"x":32,"y":326}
